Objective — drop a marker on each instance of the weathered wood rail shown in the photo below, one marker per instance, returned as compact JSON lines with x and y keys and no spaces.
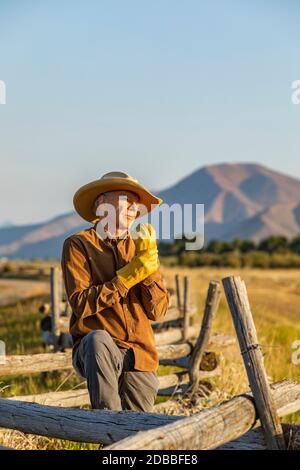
{"x":46,"y":362}
{"x":207,"y":429}
{"x":215,"y":426}
{"x":80,"y":397}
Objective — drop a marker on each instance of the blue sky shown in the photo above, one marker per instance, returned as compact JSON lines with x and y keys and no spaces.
{"x":156,"y":89}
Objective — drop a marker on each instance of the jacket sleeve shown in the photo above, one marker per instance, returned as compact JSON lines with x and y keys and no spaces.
{"x":85,"y":297}
{"x":155,"y":296}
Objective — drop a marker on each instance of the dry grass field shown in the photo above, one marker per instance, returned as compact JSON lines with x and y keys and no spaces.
{"x":16,"y":289}
{"x":274,"y":297}
{"x":275,"y":302}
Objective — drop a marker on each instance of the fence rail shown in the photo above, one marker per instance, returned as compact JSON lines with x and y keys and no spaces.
{"x":207,"y":429}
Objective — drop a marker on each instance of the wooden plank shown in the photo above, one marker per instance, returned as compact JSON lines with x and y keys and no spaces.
{"x":209,"y":361}
{"x":173,"y":351}
{"x":237,"y":298}
{"x":171,"y":335}
{"x":211,"y":427}
{"x":211,"y":307}
{"x":173,"y":313}
{"x":80,"y":397}
{"x":35,"y":363}
{"x":172,"y":380}
{"x":97,"y":426}
{"x":47,"y":362}
{"x":66,"y":398}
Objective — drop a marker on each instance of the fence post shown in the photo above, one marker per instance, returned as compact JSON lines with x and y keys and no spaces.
{"x":186,"y":313}
{"x":55,"y":285}
{"x":178,"y":292}
{"x":211,"y":307}
{"x":237,"y":298}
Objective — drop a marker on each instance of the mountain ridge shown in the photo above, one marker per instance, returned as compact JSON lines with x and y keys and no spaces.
{"x":241,"y":200}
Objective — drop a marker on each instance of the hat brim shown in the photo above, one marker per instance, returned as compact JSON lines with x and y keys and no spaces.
{"x":85,"y":196}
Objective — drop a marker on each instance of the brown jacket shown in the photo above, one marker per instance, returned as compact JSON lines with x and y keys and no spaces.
{"x":100,"y":301}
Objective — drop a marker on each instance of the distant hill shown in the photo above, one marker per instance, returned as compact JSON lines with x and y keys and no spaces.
{"x":39,"y":240}
{"x":244,"y":200}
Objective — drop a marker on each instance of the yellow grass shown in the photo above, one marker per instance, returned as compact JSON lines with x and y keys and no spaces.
{"x":275,"y":303}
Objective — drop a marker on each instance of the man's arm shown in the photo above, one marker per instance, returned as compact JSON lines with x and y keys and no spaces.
{"x":155,"y":296}
{"x":84,"y":297}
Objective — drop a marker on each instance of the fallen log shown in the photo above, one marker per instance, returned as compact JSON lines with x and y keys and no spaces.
{"x":47,"y":362}
{"x":212,"y":427}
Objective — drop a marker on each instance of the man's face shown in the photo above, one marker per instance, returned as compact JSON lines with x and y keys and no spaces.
{"x":125,"y":205}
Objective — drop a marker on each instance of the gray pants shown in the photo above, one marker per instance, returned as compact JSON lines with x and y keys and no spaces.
{"x":111,"y":379}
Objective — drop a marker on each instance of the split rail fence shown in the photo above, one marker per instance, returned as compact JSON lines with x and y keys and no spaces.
{"x":251,"y":420}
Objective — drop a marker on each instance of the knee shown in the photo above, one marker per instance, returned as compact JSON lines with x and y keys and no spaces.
{"x":97,"y":341}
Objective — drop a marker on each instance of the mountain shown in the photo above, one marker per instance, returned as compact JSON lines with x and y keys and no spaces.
{"x":245,"y":200}
{"x":6,"y":223}
{"x":42,"y":240}
{"x":282,"y":218}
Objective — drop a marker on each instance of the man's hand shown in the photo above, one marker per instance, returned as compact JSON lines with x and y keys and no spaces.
{"x":146,"y":238}
{"x":145,"y":262}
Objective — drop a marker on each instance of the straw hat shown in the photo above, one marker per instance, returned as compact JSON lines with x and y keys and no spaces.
{"x":85,"y":196}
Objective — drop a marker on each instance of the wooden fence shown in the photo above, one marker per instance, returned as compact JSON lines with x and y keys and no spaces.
{"x":249,"y":420}
{"x":178,"y":343}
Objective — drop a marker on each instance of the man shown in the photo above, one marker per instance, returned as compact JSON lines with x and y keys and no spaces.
{"x":115,"y":287}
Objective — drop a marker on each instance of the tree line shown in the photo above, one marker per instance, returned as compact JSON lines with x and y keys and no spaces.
{"x":272,"y":252}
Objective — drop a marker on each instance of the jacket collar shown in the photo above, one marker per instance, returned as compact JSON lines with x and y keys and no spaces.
{"x":110,"y":240}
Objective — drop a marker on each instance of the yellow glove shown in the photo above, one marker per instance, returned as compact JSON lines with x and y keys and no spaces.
{"x":146,"y":260}
{"x":146,"y":237}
